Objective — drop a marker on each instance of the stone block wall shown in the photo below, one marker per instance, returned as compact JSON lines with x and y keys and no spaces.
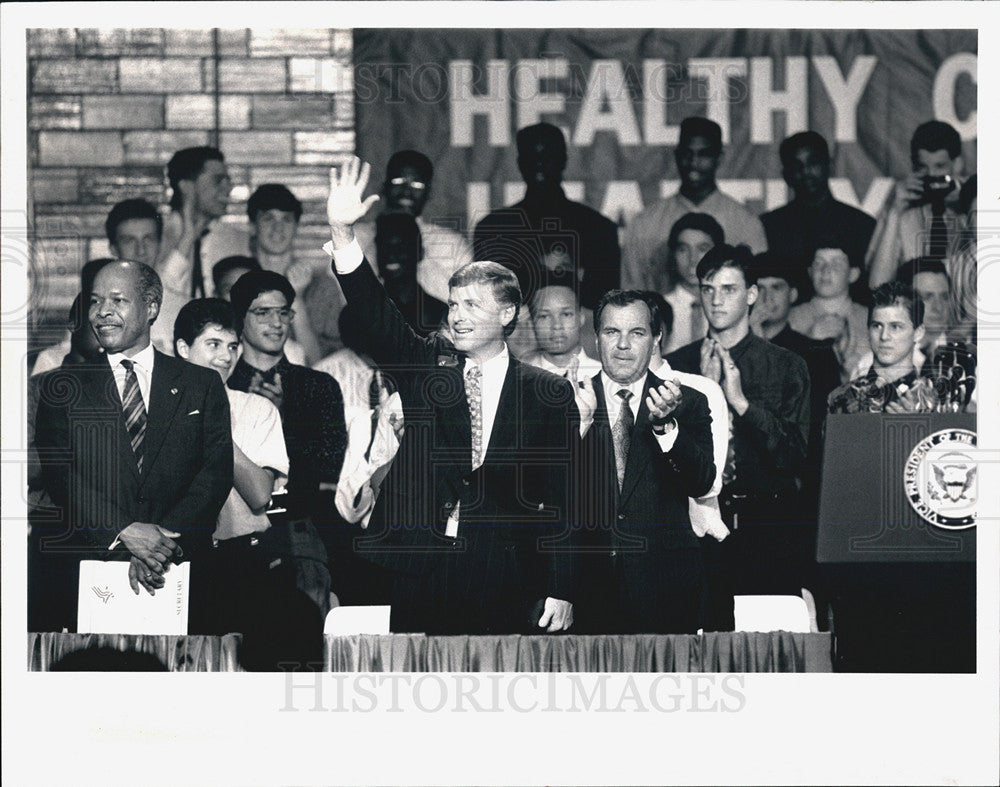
{"x":107,"y":109}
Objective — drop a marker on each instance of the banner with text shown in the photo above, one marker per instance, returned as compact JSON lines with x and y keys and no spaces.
{"x":619,"y":95}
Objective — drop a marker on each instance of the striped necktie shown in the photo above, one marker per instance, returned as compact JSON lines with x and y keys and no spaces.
{"x":135,"y":411}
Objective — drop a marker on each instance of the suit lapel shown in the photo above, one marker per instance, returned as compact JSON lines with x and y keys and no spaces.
{"x":164,"y":397}
{"x":453,"y":412}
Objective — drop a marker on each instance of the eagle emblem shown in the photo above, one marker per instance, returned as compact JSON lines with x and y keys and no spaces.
{"x":954,"y":476}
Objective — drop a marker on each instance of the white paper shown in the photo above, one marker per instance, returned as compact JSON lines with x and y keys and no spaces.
{"x":107,"y":604}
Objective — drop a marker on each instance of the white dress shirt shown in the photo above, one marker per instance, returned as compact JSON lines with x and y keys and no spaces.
{"x":704,"y":511}
{"x":588,"y":367}
{"x":143,"y":365}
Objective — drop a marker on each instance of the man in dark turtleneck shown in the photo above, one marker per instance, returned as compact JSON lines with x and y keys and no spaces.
{"x":547,"y":231}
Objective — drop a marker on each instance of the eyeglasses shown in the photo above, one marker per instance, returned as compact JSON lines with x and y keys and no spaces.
{"x":265,"y":313}
{"x":413,"y":184}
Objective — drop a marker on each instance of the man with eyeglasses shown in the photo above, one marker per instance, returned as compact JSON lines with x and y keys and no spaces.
{"x":407,"y":189}
{"x":312,"y":416}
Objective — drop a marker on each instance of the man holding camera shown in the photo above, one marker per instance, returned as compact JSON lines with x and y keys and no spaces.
{"x":922,"y":216}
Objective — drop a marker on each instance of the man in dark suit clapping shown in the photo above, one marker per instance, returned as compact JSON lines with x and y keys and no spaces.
{"x":482,"y":473}
{"x":648,"y":449}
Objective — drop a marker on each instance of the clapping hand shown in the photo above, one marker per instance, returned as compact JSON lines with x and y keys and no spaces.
{"x":299,"y":274}
{"x":732,"y":381}
{"x":711,"y":364}
{"x":344,"y":206}
{"x":662,"y":401}
{"x":557,"y":615}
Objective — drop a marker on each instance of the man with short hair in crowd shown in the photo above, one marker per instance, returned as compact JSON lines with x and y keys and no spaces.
{"x":892,"y":384}
{"x":831,"y":313}
{"x":692,"y":235}
{"x":134,"y":228}
{"x":546,"y":231}
{"x":194,"y":237}
{"x":407,"y":188}
{"x":242,"y":558}
{"x":767,"y":388}
{"x":312,"y":414}
{"x":274,"y":214}
{"x":922,"y":217}
{"x":794,"y":230}
{"x":698,"y":155}
{"x":399,"y":246}
{"x":558,"y":321}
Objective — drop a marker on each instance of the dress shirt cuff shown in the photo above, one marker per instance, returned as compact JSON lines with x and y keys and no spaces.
{"x":667,"y":439}
{"x":347,"y":259}
{"x":115,"y":543}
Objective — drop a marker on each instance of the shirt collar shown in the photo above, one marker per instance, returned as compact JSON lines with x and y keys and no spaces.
{"x":611,"y":388}
{"x":143,"y":359}
{"x":493,"y":364}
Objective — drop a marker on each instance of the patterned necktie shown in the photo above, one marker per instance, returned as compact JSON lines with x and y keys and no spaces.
{"x":474,"y":393}
{"x":135,"y":411}
{"x":621,"y":433}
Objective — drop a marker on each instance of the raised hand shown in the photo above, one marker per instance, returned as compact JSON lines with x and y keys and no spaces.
{"x":344,"y":206}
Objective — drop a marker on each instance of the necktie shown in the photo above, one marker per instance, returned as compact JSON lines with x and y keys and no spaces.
{"x":135,"y":411}
{"x":621,"y":433}
{"x":697,"y":320}
{"x":938,"y":245}
{"x":474,"y":393}
{"x":197,"y":282}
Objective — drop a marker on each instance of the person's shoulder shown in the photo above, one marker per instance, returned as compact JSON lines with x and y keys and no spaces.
{"x":653,"y":213}
{"x":777,"y":216}
{"x":682,"y":355}
{"x":582,"y":211}
{"x":547,"y":387}
{"x":788,"y":358}
{"x":731,"y":205}
{"x":847,"y":212}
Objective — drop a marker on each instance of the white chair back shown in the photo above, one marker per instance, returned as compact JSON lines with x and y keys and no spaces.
{"x":342,"y":621}
{"x":771,"y":613}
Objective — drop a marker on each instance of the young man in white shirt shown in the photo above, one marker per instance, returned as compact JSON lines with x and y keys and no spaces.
{"x":205,"y":335}
{"x":559,"y":321}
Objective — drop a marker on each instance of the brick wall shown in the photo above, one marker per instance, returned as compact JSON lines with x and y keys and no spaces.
{"x":107,"y":109}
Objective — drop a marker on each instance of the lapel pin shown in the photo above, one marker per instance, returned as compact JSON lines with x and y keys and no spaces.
{"x":173,"y":390}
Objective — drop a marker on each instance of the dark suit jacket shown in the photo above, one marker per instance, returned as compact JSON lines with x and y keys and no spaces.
{"x":90,"y":472}
{"x":645,"y":530}
{"x":518,"y":495}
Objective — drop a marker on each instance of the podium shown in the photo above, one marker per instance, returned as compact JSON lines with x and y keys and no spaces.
{"x":896,"y":540}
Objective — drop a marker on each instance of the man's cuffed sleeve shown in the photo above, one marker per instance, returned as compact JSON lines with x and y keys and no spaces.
{"x":667,"y":439}
{"x":347,"y":259}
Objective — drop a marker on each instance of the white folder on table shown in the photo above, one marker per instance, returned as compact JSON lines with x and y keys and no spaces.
{"x":107,"y":604}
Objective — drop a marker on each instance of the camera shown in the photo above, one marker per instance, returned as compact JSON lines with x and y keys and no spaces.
{"x":937,"y":187}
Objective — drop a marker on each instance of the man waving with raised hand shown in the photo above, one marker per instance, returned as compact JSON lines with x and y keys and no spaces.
{"x":482,"y":474}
